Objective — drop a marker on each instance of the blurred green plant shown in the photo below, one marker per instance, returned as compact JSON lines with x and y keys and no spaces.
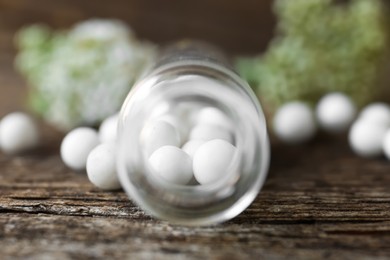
{"x":321,"y":46}
{"x":80,"y":76}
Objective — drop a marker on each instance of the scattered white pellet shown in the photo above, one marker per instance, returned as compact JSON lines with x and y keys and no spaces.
{"x":366,"y":138}
{"x":158,"y":133}
{"x":213,"y":116}
{"x":18,"y":133}
{"x":108,"y":129}
{"x":77,"y":145}
{"x":212,"y":160}
{"x":172,"y":164}
{"x":192,"y":146}
{"x":101,"y":167}
{"x":209,"y":132}
{"x":376,"y":113}
{"x":294,"y":123}
{"x":335,"y":112}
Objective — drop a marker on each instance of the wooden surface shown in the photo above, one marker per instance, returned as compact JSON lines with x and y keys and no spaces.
{"x":319,"y":202}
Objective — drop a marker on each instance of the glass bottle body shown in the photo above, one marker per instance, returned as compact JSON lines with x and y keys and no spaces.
{"x":185,"y":83}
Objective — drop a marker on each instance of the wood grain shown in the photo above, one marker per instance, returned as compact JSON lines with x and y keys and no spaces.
{"x":319,"y":201}
{"x":325,"y":203}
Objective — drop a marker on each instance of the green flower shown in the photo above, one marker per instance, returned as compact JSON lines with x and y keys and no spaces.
{"x":321,"y":47}
{"x":81,"y":76}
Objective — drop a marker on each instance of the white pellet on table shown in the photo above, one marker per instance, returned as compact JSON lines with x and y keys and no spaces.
{"x":18,"y":133}
{"x":101,"y":167}
{"x":335,"y":112}
{"x":108,"y":129}
{"x":77,"y":145}
{"x":376,"y":113}
{"x":294,"y":123}
{"x":366,"y":139}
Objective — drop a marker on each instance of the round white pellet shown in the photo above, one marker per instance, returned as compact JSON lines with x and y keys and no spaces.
{"x":294,"y":123}
{"x":212,"y":160}
{"x":159,"y":110}
{"x":376,"y":113}
{"x":77,"y":145}
{"x":158,"y":133}
{"x":213,"y":116}
{"x":187,"y":113}
{"x":18,"y":133}
{"x":172,"y":164}
{"x":180,"y":127}
{"x":108,"y":129}
{"x":192,"y":146}
{"x":366,"y":139}
{"x":101,"y":167}
{"x":210,"y":132}
{"x":386,"y":144}
{"x":335,"y":112}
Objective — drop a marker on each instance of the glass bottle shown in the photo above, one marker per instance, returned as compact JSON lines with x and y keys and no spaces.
{"x":187,"y":78}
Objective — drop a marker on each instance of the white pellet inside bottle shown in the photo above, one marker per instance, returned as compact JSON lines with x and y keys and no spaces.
{"x":193,"y":147}
{"x":190,"y":143}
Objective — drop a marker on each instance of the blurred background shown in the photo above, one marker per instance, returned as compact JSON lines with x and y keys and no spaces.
{"x":239,"y":27}
{"x":243,"y":26}
{"x":320,"y":47}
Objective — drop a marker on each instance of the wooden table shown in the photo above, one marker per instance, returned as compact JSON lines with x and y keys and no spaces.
{"x":320,"y":201}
